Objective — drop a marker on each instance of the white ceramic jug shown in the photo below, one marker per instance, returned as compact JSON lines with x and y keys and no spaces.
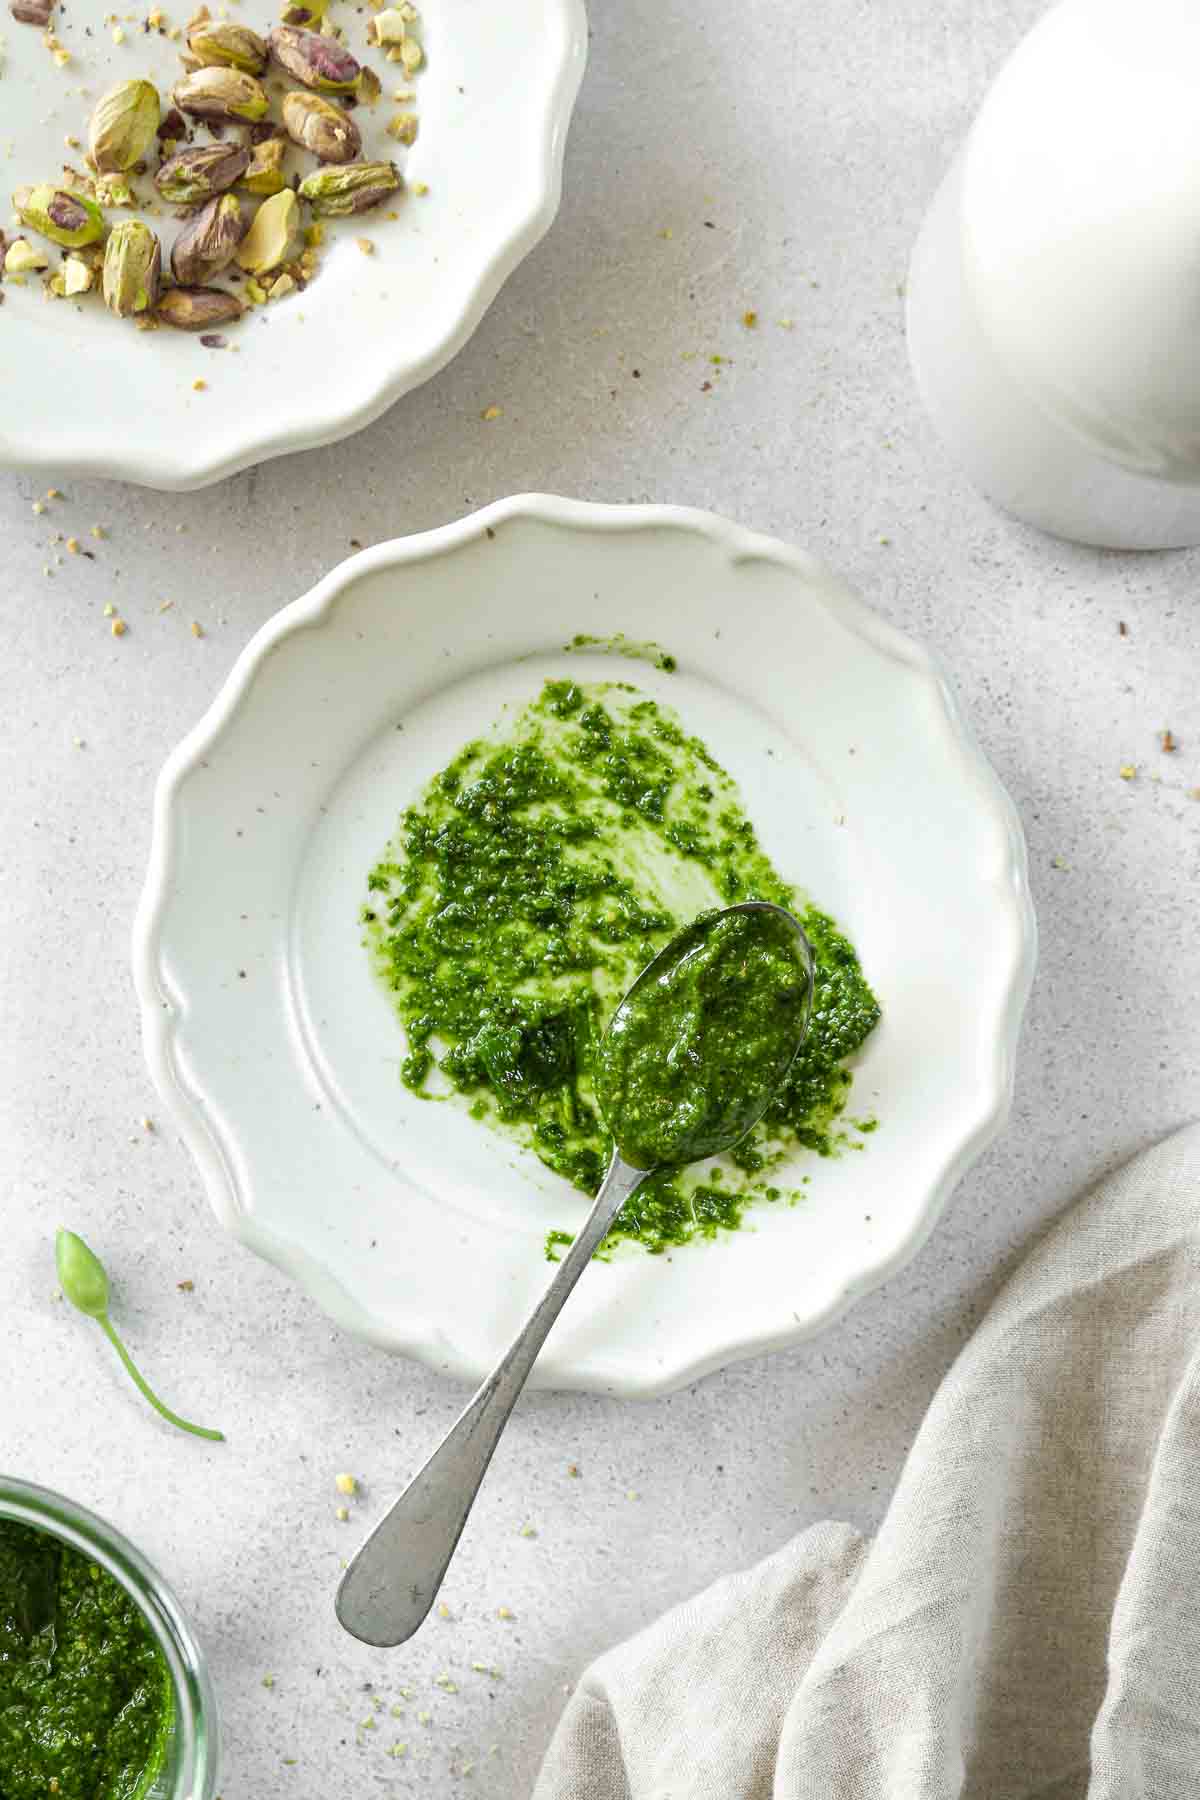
{"x":1054,"y":293}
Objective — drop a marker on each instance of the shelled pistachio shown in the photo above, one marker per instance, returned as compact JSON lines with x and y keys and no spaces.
{"x":66,"y":218}
{"x":132,"y":268}
{"x":273,"y":236}
{"x":319,"y":125}
{"x":199,"y":308}
{"x":198,"y":174}
{"x":354,"y":188}
{"x":209,"y":241}
{"x":123,"y":126}
{"x":318,"y":61}
{"x":221,"y":44}
{"x":215,"y":93}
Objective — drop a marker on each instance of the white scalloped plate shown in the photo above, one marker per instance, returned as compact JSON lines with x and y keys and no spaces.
{"x":277,"y":1052}
{"x":87,"y":394}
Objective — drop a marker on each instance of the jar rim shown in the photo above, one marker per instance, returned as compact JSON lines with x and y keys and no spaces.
{"x":44,"y":1509}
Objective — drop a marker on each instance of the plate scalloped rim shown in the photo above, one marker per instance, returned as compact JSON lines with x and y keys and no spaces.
{"x":160,"y":1007}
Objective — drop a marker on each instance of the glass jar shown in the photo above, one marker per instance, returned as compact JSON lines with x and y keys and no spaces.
{"x":189,"y":1770}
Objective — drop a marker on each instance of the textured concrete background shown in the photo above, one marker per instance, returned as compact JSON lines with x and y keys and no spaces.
{"x":790,"y":152}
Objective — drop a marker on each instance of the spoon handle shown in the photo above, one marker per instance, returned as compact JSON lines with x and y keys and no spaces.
{"x":393,"y":1580}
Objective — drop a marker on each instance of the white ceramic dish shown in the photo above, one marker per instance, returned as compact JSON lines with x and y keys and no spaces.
{"x":88,"y":394}
{"x":277,"y":1052}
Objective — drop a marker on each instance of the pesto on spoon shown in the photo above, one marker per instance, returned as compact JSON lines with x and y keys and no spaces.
{"x":692,"y":1058}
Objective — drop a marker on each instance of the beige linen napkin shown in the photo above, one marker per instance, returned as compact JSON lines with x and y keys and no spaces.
{"x":1027,"y":1622}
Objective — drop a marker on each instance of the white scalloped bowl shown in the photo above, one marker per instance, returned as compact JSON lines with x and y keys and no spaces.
{"x":277,"y":1052}
{"x":87,"y":394}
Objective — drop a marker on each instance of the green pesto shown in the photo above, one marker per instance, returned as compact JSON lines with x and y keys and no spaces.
{"x":702,"y":1043}
{"x":85,"y":1694}
{"x":619,"y":645}
{"x":531,"y":882}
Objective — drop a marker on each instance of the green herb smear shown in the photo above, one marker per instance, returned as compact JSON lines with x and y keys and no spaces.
{"x":85,"y":1694}
{"x":533,"y":880}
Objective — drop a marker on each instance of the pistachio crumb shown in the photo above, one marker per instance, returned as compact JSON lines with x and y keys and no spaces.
{"x":366,"y":246}
{"x":54,"y":493}
{"x":1128,"y":771}
{"x":118,"y":628}
{"x":165,"y":605}
{"x":505,"y":1612}
{"x":268,"y":1681}
{"x":98,"y":531}
{"x":345,"y":1484}
{"x":445,"y":1683}
{"x":573,"y":1471}
{"x":39,"y":506}
{"x":491,"y":412}
{"x":443,"y":1611}
{"x":424,"y":1718}
{"x":118,"y":35}
{"x":420,"y":188}
{"x":398,"y":1749}
{"x":632,"y":1494}
{"x":73,"y":545}
{"x":367,"y":1724}
{"x":188,"y":1286}
{"x":342,"y":1514}
{"x":199,"y":385}
{"x":109,"y":610}
{"x":528,"y":1531}
{"x":750,"y":320}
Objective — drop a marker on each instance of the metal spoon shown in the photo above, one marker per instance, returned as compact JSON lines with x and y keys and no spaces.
{"x":393,"y":1580}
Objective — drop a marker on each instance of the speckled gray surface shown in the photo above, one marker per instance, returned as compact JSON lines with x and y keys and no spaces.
{"x":789,"y":153}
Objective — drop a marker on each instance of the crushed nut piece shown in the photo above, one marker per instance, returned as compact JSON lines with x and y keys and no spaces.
{"x":1168,"y":741}
{"x":345,"y":1484}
